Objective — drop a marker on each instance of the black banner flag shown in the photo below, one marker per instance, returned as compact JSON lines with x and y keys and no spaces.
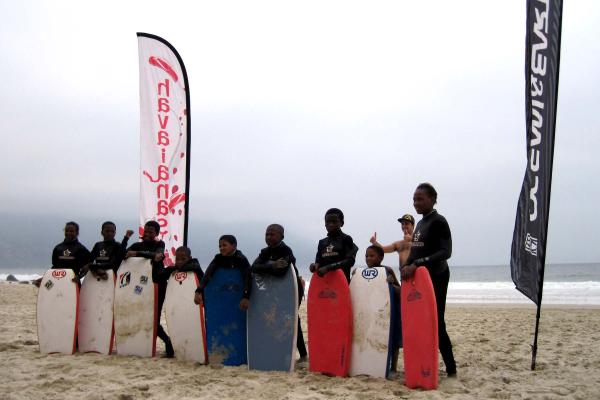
{"x":542,"y":57}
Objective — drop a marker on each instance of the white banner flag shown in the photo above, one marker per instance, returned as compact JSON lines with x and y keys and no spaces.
{"x":164,"y":141}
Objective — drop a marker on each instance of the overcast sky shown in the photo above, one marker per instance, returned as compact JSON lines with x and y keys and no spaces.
{"x":297,"y":107}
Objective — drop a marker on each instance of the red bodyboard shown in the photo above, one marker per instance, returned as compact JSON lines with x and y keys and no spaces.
{"x":329,"y":324}
{"x":420,"y":331}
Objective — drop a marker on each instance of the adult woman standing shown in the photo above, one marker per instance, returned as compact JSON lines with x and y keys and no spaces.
{"x":431,"y":247}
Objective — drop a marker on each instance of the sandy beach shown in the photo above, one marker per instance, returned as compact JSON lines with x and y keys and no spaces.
{"x":491,"y":344}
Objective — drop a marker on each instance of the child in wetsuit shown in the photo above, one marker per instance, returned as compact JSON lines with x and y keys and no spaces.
{"x":70,"y":254}
{"x":373,"y":257}
{"x":275,"y":259}
{"x":232,"y":258}
{"x":108,"y":254}
{"x":154,"y":250}
{"x":337,"y":250}
{"x":185,"y":263}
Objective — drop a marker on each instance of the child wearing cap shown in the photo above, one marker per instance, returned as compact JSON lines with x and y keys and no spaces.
{"x":401,"y":246}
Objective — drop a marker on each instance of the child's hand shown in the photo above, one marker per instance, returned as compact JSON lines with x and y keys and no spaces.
{"x":281,"y":264}
{"x":322,"y":271}
{"x":37,"y":282}
{"x":129,"y":233}
{"x":75,"y":279}
{"x":159,"y":257}
{"x":100,"y":274}
{"x":198,"y":299}
{"x":313,"y":267}
{"x":131,"y":254}
{"x":373,"y":239}
{"x":390,"y":279}
{"x":244,"y":304}
{"x":408,"y":271}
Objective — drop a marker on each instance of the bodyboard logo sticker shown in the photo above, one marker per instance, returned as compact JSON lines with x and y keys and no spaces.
{"x":143,"y":279}
{"x":138,"y":289}
{"x":180,"y":276}
{"x":370,"y":273}
{"x":49,"y":285}
{"x":260,"y":282}
{"x":327,"y":294}
{"x":59,"y":273}
{"x":414,"y":295}
{"x":124,"y":279}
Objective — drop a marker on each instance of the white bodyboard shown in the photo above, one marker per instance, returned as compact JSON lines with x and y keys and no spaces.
{"x":185,"y":320}
{"x":135,"y":309}
{"x":57,"y":312}
{"x":96,"y":301}
{"x":371,"y":321}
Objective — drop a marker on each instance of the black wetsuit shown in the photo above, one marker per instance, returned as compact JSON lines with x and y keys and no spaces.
{"x":431,"y":247}
{"x":265,"y":264}
{"x":191,"y":266}
{"x":108,"y":254}
{"x":160,"y":276}
{"x":70,"y":255}
{"x":337,"y":251}
{"x":237,"y":260}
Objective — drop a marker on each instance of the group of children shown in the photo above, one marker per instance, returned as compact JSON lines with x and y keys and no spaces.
{"x":336,"y":251}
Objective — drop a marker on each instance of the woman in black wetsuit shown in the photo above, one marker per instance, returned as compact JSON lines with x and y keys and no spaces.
{"x":431,"y":246}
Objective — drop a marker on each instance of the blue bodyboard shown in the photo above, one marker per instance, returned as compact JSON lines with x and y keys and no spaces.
{"x":273,"y":322}
{"x":225,"y":322}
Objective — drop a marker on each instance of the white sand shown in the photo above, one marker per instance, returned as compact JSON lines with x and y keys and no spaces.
{"x":491,"y":345}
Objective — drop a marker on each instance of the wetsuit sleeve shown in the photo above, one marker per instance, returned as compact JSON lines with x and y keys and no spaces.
{"x":440,"y":231}
{"x":94,"y":253}
{"x":210,"y":270}
{"x":82,"y":258}
{"x":261,"y":265}
{"x":55,"y":257}
{"x":396,"y":285}
{"x":246,"y":276}
{"x":120,"y":254}
{"x":318,"y":258}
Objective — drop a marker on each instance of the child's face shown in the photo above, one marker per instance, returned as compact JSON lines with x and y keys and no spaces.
{"x":108,"y":232}
{"x":181,"y":258}
{"x":372,"y":258}
{"x":273,"y":236}
{"x":149,"y":234}
{"x":226,"y":248}
{"x":70,"y":233}
{"x":333,"y":223}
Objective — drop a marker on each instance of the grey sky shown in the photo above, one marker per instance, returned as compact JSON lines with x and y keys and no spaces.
{"x":299,"y":107}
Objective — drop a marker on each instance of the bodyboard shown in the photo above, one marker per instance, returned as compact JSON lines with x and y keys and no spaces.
{"x":329,"y":324}
{"x":136,"y":308}
{"x":272,"y":322}
{"x":371,"y":310}
{"x":225,"y":322}
{"x":96,"y":302}
{"x":419,"y":331}
{"x":185,"y":320}
{"x":57,"y":312}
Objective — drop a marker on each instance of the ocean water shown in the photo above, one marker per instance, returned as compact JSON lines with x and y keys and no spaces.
{"x":572,"y":284}
{"x":576,"y":284}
